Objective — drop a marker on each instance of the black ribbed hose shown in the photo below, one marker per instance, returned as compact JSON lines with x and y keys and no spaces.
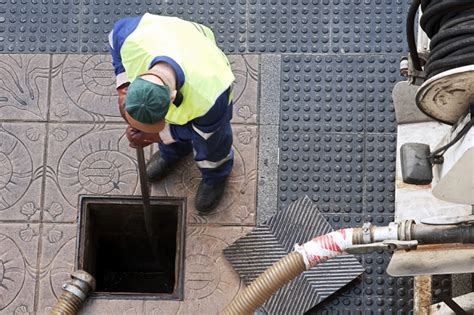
{"x":450,"y":26}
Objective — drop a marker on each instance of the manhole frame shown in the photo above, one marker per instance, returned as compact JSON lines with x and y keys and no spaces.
{"x":180,"y":202}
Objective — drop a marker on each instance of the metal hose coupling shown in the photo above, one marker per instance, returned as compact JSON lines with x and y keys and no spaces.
{"x":75,"y":293}
{"x":305,"y":256}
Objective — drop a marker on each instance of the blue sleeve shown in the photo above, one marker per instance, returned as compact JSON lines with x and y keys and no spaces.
{"x":121,"y":30}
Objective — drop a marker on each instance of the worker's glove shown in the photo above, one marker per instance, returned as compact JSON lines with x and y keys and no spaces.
{"x":140,"y":139}
{"x":122,"y":93}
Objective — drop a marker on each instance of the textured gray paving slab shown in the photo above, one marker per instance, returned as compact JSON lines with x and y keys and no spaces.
{"x":270,"y":89}
{"x":267,"y":194}
{"x":267,"y":243}
{"x":83,"y":89}
{"x":21,"y":170}
{"x":57,"y":256}
{"x":238,"y":204}
{"x":24,"y":87}
{"x":86,"y":159}
{"x":18,"y":267}
{"x":82,"y":26}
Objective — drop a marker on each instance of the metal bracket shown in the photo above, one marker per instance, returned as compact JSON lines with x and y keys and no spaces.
{"x":385,"y":245}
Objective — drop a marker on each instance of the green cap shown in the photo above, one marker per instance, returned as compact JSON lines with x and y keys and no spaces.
{"x":146,"y":101}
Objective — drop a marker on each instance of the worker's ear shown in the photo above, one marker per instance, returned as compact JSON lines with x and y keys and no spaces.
{"x":173,"y":95}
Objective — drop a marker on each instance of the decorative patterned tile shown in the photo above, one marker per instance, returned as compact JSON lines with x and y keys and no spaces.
{"x":238,"y":203}
{"x":56,"y":263}
{"x":18,"y":263}
{"x":246,"y":71}
{"x":24,"y":87}
{"x":210,"y":281}
{"x":83,"y":89}
{"x":86,"y":159}
{"x":21,"y":170}
{"x":113,"y":306}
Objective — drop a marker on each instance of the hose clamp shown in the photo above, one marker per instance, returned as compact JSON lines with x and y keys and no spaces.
{"x":367,"y":233}
{"x":75,"y":291}
{"x":404,"y":230}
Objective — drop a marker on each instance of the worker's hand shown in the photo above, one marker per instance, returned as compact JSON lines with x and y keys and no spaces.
{"x":122,"y":93}
{"x":140,"y":139}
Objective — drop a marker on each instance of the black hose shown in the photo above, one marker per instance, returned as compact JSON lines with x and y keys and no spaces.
{"x":450,"y":26}
{"x":411,"y":34}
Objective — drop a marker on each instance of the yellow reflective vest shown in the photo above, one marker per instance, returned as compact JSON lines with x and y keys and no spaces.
{"x":192,"y":46}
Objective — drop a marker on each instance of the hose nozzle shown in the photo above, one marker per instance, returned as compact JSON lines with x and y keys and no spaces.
{"x":75,"y":293}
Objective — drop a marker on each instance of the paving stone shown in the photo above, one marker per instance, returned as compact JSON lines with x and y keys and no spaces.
{"x":18,"y":267}
{"x":24,"y":88}
{"x":86,"y":159}
{"x":82,"y":27}
{"x":83,"y":89}
{"x":56,"y":263}
{"x":267,"y":195}
{"x":270,"y":89}
{"x":238,"y":203}
{"x":113,"y":306}
{"x":329,"y":168}
{"x":21,"y":170}
{"x":246,"y":71}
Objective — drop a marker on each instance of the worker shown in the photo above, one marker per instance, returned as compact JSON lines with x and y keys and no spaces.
{"x":175,"y":89}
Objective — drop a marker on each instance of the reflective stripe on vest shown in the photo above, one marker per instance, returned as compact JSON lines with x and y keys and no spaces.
{"x":207,"y":70}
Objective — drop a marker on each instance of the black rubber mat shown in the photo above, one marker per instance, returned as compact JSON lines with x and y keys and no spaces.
{"x":82,"y":26}
{"x":327,"y":26}
{"x":338,"y":146}
{"x":281,"y":26}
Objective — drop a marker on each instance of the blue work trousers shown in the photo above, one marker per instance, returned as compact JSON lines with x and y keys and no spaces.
{"x":210,"y":137}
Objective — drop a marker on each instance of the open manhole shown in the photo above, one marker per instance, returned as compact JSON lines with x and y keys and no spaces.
{"x":114,"y":247}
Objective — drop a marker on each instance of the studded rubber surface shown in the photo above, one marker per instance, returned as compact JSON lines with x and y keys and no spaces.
{"x":338,"y":147}
{"x":270,"y":26}
{"x":81,"y":26}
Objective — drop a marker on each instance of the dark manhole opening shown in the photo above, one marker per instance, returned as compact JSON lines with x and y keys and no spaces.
{"x":113,"y":246}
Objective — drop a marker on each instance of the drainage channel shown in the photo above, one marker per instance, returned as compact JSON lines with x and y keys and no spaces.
{"x":113,"y":246}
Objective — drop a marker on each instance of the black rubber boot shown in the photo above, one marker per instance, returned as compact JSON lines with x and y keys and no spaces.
{"x":157,"y":168}
{"x":208,"y":197}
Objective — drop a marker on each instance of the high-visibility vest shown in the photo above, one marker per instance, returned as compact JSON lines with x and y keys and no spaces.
{"x":192,"y":46}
